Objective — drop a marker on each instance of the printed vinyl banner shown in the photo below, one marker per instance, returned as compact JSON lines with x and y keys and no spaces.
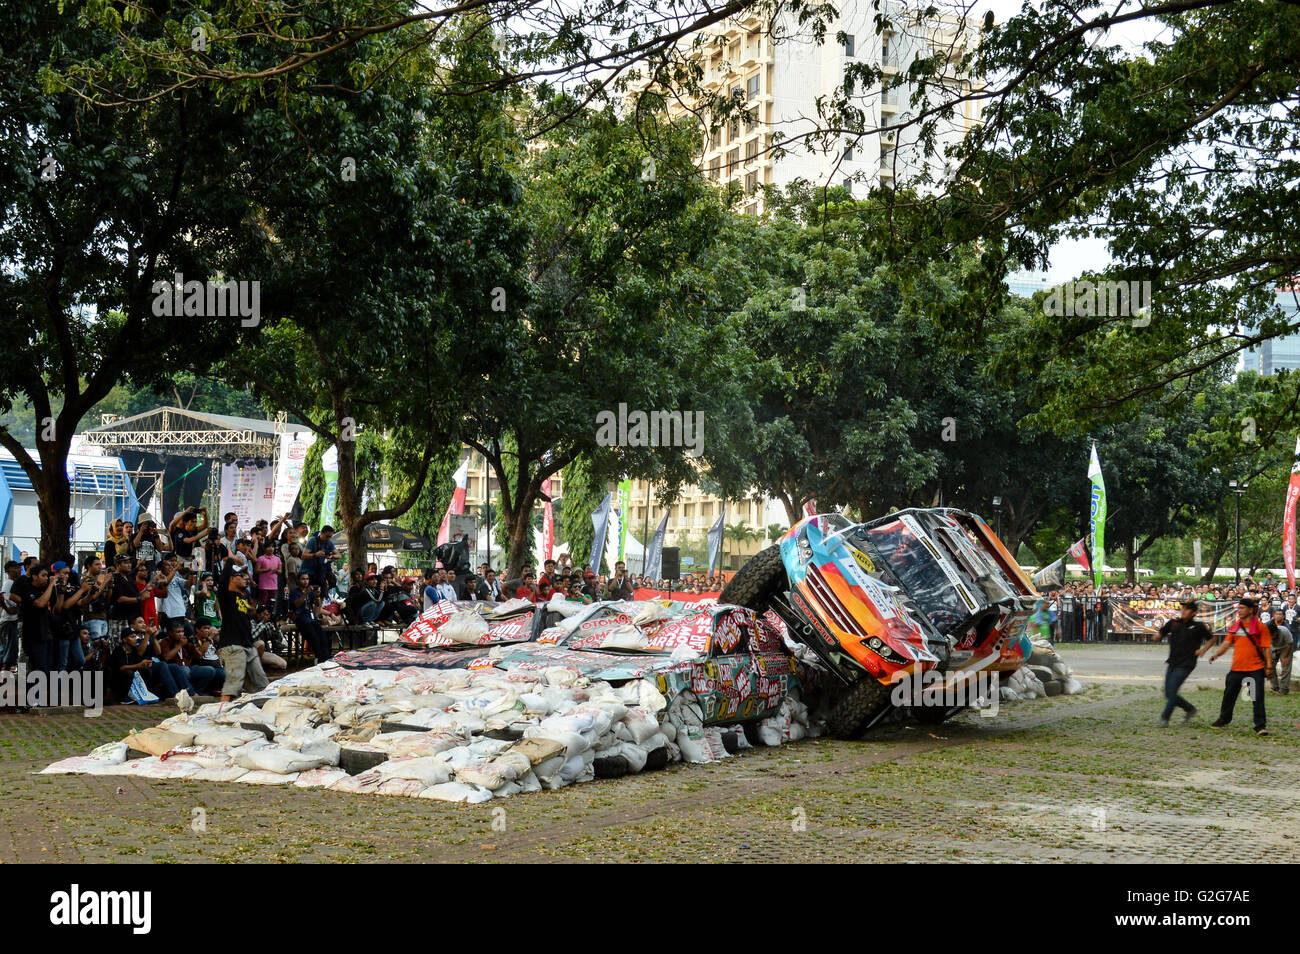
{"x":249,"y":493}
{"x":1147,"y":616}
{"x":643,"y":594}
{"x":288,"y":471}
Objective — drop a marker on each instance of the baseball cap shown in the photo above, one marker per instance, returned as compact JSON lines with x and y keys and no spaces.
{"x":58,"y":565}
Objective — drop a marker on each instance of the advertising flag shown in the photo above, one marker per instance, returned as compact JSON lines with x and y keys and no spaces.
{"x":1079,"y":550}
{"x":715,"y":540}
{"x":624,"y":515}
{"x":1288,"y":525}
{"x":457,"y":505}
{"x":810,"y":508}
{"x":329,"y":463}
{"x":548,"y":522}
{"x":655,"y":555}
{"x":600,"y":526}
{"x":1097,"y":517}
{"x":1051,"y":576}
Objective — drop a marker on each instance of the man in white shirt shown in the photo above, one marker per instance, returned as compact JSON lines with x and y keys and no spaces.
{"x":446,"y":589}
{"x":9,"y":617}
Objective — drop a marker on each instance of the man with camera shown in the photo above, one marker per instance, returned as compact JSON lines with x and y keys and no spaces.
{"x":304,"y":601}
{"x":238,"y":655}
{"x":187,"y":533}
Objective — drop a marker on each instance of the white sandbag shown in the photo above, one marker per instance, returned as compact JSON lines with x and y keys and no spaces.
{"x":713,"y":738}
{"x":416,"y":745}
{"x":156,"y":741}
{"x":508,"y":789}
{"x":550,"y":768}
{"x":465,"y":626}
{"x":635,"y":755}
{"x":269,"y":757}
{"x":227,"y":736}
{"x":259,"y":777}
{"x":151,"y":767}
{"x":218,"y":773}
{"x":565,"y":607}
{"x":1071,"y":687}
{"x":573,"y":742}
{"x":427,"y":771}
{"x":81,"y":765}
{"x":456,"y":792}
{"x":529,"y":783}
{"x":319,"y":777}
{"x":669,"y":729}
{"x":656,"y":741}
{"x":405,"y":787}
{"x":325,"y":750}
{"x":641,"y":724}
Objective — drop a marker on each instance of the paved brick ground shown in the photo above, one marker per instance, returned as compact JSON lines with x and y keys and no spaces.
{"x":1085,"y":778}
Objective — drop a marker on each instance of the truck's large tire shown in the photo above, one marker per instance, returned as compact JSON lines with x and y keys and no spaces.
{"x":852,"y":711}
{"x":755,"y":583}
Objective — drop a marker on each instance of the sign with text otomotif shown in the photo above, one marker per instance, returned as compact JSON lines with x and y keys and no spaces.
{"x":1147,"y":616}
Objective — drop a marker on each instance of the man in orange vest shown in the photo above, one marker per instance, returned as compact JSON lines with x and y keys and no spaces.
{"x":1252,"y":657}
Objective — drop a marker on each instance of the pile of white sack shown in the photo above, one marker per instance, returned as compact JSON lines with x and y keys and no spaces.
{"x":454,"y":735}
{"x":1044,"y":674}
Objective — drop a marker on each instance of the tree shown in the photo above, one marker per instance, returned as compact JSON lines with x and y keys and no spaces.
{"x":618,"y":314}
{"x":391,"y":227}
{"x":99,"y":206}
{"x":1179,"y":154}
{"x":582,"y":495}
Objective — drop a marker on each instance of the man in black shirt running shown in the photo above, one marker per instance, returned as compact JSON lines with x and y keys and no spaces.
{"x":244,"y":672}
{"x":1188,"y":640}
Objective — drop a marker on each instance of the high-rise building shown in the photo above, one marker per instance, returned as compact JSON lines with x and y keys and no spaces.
{"x":1283,"y":353}
{"x":781,"y":73}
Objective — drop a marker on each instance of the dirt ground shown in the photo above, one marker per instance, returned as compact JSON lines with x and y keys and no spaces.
{"x":1081,"y":778}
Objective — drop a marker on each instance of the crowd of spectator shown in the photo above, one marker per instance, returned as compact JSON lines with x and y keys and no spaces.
{"x":192,"y":609}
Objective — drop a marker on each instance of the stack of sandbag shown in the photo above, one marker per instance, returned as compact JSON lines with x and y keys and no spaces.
{"x":1046,"y":663}
{"x":452,"y":735}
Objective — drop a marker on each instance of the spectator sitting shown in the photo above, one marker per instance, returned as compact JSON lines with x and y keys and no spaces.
{"x":445,"y":588}
{"x":397,"y":603}
{"x":363,"y":604}
{"x":268,"y":640}
{"x":140,"y":652}
{"x":202,"y":678}
{"x":303,"y":603}
{"x":527,"y":589}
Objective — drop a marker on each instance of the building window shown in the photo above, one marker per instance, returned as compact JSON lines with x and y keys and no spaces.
{"x":888,"y":51}
{"x":737,"y":92}
{"x":714,"y":166}
{"x":753,"y":86}
{"x":751,"y":150}
{"x":733,"y":160}
{"x":848,"y":153}
{"x":733,"y":128}
{"x":848,"y":45}
{"x":751,"y":183}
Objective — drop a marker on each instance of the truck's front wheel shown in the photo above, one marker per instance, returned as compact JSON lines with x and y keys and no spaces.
{"x":852,"y":711}
{"x":758,"y":581}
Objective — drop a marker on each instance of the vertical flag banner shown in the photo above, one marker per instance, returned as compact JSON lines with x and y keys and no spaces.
{"x":1288,"y":525}
{"x":624,"y":515}
{"x":548,"y":522}
{"x":1097,"y":517}
{"x":457,"y":505}
{"x":1079,"y":550}
{"x":810,"y":508}
{"x":715,"y":539}
{"x":329,"y":463}
{"x":600,"y":526}
{"x":655,"y":555}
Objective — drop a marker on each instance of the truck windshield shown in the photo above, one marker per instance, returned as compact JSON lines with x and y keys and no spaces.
{"x":919,"y":573}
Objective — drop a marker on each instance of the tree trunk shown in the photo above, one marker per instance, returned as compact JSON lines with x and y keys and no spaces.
{"x":54,"y":504}
{"x":520,"y":525}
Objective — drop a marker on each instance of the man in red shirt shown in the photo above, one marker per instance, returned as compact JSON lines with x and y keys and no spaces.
{"x":1252,"y":656}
